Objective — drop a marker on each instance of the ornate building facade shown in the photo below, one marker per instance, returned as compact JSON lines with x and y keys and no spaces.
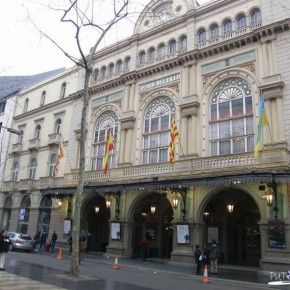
{"x":205,"y":66}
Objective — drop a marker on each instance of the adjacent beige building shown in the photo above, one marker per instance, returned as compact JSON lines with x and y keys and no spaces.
{"x":205,"y":66}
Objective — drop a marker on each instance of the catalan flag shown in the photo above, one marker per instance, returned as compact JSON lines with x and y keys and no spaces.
{"x":263,"y":121}
{"x":109,"y":147}
{"x":60,"y":155}
{"x":173,"y":135}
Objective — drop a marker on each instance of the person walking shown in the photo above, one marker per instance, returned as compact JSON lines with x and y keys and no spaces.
{"x":53,"y":240}
{"x":214,"y":256}
{"x":4,"y":248}
{"x":42,"y":241}
{"x":205,"y":254}
{"x":198,"y":259}
{"x":36,"y":239}
{"x":144,"y":243}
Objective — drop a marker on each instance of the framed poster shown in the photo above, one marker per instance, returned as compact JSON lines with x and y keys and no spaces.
{"x":115,"y":231}
{"x":276,"y":234}
{"x":182,"y":234}
{"x":212,"y":234}
{"x":67,"y":227}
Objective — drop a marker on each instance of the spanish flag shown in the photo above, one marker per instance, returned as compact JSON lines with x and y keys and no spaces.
{"x":263,"y":121}
{"x":60,"y":155}
{"x":109,"y":147}
{"x":173,"y":135}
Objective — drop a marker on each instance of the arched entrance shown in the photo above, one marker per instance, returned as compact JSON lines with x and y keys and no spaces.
{"x":238,"y":232}
{"x":155,"y":225}
{"x":96,"y":223}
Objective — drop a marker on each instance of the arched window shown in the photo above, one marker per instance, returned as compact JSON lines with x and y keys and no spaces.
{"x":63,"y":89}
{"x":202,"y":36}
{"x":20,"y":137}
{"x":25,"y":108}
{"x":58,"y":126}
{"x":111,"y":70}
{"x":161,"y":51}
{"x":214,"y":32}
{"x":127,"y":64}
{"x":52,"y":165}
{"x":103,"y":72}
{"x":42,"y":101}
{"x":37,"y":132}
{"x":44,"y":215}
{"x":172,"y":47}
{"x":23,"y":217}
{"x":15,"y":171}
{"x":6,"y":214}
{"x":142,"y":58}
{"x":156,"y":130}
{"x":231,"y":118}
{"x":256,"y":17}
{"x":96,"y":74}
{"x":32,"y":169}
{"x":241,"y":22}
{"x":183,"y":43}
{"x":227,"y":27}
{"x":119,"y":67}
{"x":106,"y":120}
{"x":151,"y":54}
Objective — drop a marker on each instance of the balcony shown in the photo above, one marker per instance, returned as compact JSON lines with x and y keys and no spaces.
{"x":28,"y":185}
{"x":16,"y":148}
{"x":54,"y":139}
{"x":10,"y":186}
{"x":34,"y":144}
{"x":50,"y":181}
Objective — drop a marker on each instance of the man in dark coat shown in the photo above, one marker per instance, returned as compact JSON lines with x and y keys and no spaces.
{"x":198,"y":260}
{"x":4,"y":247}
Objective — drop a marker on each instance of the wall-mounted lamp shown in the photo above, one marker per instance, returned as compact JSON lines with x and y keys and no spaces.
{"x":108,"y":203}
{"x":206,"y":215}
{"x":152,"y":209}
{"x":175,"y":201}
{"x":230,"y":207}
{"x":116,"y":195}
{"x":97,"y":209}
{"x":59,"y":204}
{"x":268,"y":194}
{"x":143,"y":215}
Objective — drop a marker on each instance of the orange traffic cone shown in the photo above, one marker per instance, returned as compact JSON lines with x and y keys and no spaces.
{"x":116,"y":266}
{"x":59,"y":256}
{"x":205,"y":276}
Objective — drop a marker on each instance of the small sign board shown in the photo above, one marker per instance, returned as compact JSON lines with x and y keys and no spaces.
{"x":276,"y":234}
{"x":115,"y":231}
{"x":182,"y":234}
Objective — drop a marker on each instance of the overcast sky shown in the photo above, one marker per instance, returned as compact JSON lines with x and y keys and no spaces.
{"x":24,"y":52}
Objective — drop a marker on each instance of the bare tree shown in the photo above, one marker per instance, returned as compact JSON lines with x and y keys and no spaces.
{"x":80,"y":15}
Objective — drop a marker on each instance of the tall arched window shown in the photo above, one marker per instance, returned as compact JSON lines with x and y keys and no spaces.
{"x":241,"y":22}
{"x":142,"y":58}
{"x":32,"y":169}
{"x":183,"y":43}
{"x":106,"y":120}
{"x":62,"y":91}
{"x":96,"y":74}
{"x":52,"y":165}
{"x":156,"y":130}
{"x":6,"y":215}
{"x":25,"y":108}
{"x":103,"y":72}
{"x":58,"y":126}
{"x":202,"y":35}
{"x":42,"y":101}
{"x":256,"y":17}
{"x":15,"y":171}
{"x":161,"y":51}
{"x":227,"y":26}
{"x":111,"y":70}
{"x":37,"y":131}
{"x":23,"y":217}
{"x":151,"y":54}
{"x":214,"y":31}
{"x":231,"y":118}
{"x":172,"y":47}
{"x":119,"y":67}
{"x":127,"y":63}
{"x":44,"y":215}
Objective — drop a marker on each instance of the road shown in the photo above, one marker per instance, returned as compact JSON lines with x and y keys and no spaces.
{"x":29,"y":271}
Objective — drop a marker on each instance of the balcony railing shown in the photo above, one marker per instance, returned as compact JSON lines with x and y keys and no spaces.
{"x":9,"y":186}
{"x":54,"y":138}
{"x":27,"y":185}
{"x":34,"y":144}
{"x":16,"y":148}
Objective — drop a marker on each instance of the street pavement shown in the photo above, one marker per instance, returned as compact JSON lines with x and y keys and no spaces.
{"x":44,"y":271}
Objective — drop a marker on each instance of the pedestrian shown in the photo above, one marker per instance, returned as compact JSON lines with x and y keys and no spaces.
{"x":144,"y":243}
{"x":198,"y":259}
{"x":53,"y":240}
{"x":42,"y":241}
{"x":69,"y":241}
{"x":205,"y":254}
{"x":4,"y":248}
{"x":36,"y":239}
{"x":214,"y":256}
{"x":83,"y":245}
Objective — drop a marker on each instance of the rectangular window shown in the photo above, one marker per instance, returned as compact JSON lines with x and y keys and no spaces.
{"x":146,"y":142}
{"x":99,"y":163}
{"x":153,"y":141}
{"x":164,"y":139}
{"x":213,"y":131}
{"x":249,"y":106}
{"x":213,"y":148}
{"x":213,"y":113}
{"x":146,"y":126}
{"x":163,"y":155}
{"x":238,"y":127}
{"x":2,"y":107}
{"x":101,"y":150}
{"x":153,"y":156}
{"x":224,"y":130}
{"x":250,"y":143}
{"x":145,"y":157}
{"x":237,"y":107}
{"x":224,"y":110}
{"x":102,"y":135}
{"x":249,"y":126}
{"x":154,"y":124}
{"x":164,"y":122}
{"x":32,"y":173}
{"x":238,"y":145}
{"x":225,"y":147}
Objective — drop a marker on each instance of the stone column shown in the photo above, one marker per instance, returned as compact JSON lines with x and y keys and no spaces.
{"x":183,"y":139}
{"x":132,"y":97}
{"x":265,"y":57}
{"x":280,"y":122}
{"x":128,"y":148}
{"x":122,"y":146}
{"x":126,"y":98}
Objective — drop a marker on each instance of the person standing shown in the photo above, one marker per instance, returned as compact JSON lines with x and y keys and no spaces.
{"x":83,"y":245}
{"x":42,"y":241}
{"x":4,"y":247}
{"x":213,"y":256}
{"x":144,"y":243}
{"x":198,"y":260}
{"x":36,"y":239}
{"x":205,"y":253}
{"x":53,"y":240}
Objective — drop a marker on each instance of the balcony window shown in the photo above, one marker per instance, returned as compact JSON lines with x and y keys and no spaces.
{"x":96,"y":75}
{"x":62,"y":92}
{"x":103,"y":72}
{"x":119,"y":67}
{"x":52,"y":165}
{"x":183,"y":43}
{"x":256,"y":17}
{"x":142,"y":58}
{"x":15,"y":171}
{"x":58,"y":126}
{"x":161,"y":51}
{"x":25,"y":108}
{"x":111,"y":70}
{"x":202,"y":36}
{"x":32,"y":169}
{"x":228,"y":27}
{"x":151,"y":54}
{"x":37,"y":132}
{"x":127,"y":64}
{"x":214,"y":32}
{"x":42,"y":100}
{"x":172,"y":47}
{"x":241,"y":22}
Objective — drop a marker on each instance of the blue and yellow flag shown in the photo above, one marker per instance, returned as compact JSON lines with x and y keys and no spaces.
{"x":263,"y":121}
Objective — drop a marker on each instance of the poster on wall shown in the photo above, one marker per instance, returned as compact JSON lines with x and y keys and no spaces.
{"x":212,"y":234}
{"x":276,"y":234}
{"x":67,"y":227}
{"x":22,"y":214}
{"x":115,"y":231}
{"x":182,"y":234}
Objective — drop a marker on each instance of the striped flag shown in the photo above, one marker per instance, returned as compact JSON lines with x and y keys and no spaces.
{"x":109,"y":147}
{"x":263,"y":121}
{"x":60,"y":155}
{"x":173,"y":135}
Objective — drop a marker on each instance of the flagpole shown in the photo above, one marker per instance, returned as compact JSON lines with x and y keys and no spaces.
{"x":261,"y":94}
